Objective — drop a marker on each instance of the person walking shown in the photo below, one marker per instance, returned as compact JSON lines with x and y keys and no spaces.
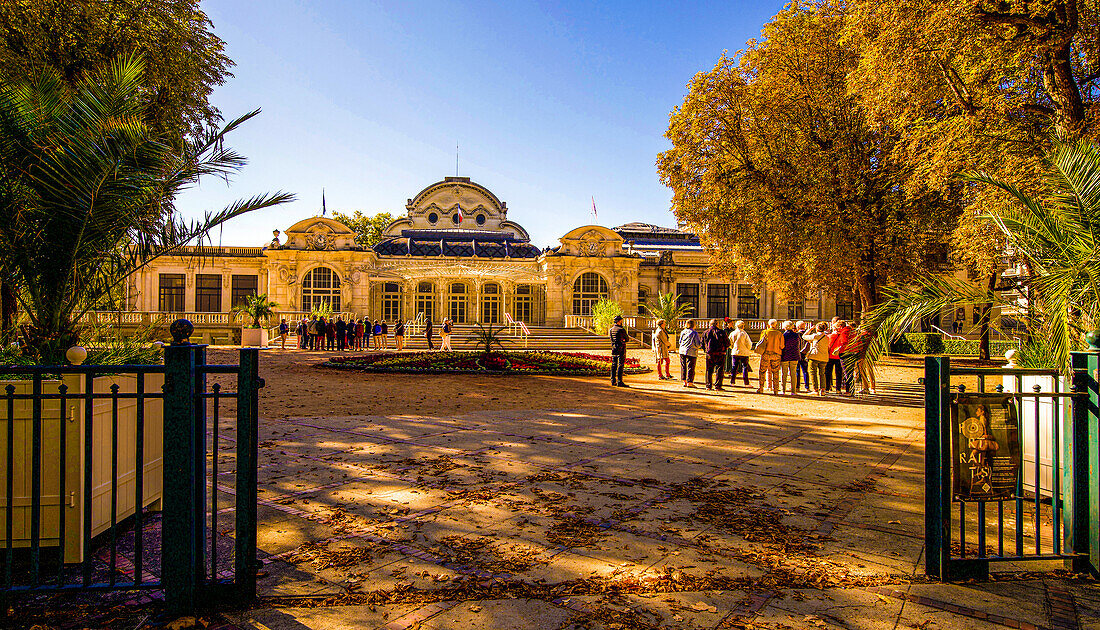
{"x":618,"y":352}
{"x":688,"y":348}
{"x":770,"y":349}
{"x":661,"y":347}
{"x":385,"y":335}
{"x":399,"y":335}
{"x":715,"y":342}
{"x":741,"y":347}
{"x":429,"y":332}
{"x":284,"y":330}
{"x":818,"y":355}
{"x":788,"y":359}
{"x":448,"y":329}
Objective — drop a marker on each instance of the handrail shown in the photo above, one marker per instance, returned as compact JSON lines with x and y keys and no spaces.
{"x":947,"y":334}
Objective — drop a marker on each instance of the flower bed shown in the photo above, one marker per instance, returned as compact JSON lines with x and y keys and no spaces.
{"x":526,"y":362}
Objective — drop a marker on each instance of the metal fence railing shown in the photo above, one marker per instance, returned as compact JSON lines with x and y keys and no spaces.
{"x":110,"y":478}
{"x":1045,"y":517}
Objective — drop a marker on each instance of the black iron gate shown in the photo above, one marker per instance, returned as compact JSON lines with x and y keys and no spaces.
{"x":111,"y":478}
{"x":1051,"y":516}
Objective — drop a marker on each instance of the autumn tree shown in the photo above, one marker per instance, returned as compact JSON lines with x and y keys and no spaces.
{"x":184,"y":59}
{"x":977,"y":85}
{"x":774,"y":166}
{"x":368,"y":228}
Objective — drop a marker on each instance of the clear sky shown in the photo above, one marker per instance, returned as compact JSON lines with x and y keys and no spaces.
{"x":551,"y":103}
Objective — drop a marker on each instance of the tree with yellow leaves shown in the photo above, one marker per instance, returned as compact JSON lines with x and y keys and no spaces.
{"x":775,"y":167}
{"x":976,"y":85}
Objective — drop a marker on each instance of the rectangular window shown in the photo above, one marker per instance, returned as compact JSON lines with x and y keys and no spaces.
{"x":522,"y":303}
{"x":391,"y":302}
{"x":170,"y":295}
{"x":748,"y":304}
{"x":689,"y":295}
{"x":208,"y":293}
{"x":845,"y":305}
{"x":242,"y":287}
{"x":425,"y":303}
{"x":718,"y":301}
{"x":796,"y":310}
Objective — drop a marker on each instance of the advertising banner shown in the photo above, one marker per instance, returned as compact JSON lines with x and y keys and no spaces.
{"x":985,"y":447}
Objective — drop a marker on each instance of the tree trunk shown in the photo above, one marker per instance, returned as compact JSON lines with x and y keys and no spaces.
{"x":9,"y":307}
{"x":867,"y":286}
{"x":983,"y":344}
{"x":1062,"y":86}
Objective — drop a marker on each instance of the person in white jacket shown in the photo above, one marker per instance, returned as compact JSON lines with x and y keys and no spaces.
{"x":818,"y":355}
{"x":741,"y":347}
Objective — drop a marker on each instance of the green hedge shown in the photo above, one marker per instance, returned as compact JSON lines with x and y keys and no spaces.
{"x":934,"y":343}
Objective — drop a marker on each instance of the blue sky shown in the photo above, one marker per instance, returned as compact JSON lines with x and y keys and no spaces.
{"x":550,"y":103}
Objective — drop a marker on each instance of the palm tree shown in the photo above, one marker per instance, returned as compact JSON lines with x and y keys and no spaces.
{"x":87,"y":191}
{"x":669,"y":309}
{"x":488,"y":337}
{"x":1055,"y":240}
{"x":256,"y":308}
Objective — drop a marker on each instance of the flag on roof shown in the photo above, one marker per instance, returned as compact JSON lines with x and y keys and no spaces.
{"x":459,"y":214}
{"x":595,"y":216}
{"x":323,"y":208}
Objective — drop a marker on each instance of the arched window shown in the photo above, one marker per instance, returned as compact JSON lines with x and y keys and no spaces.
{"x":391,"y":301}
{"x":456,"y":304}
{"x":425,"y":300}
{"x":589,"y":288}
{"x":321,"y":286}
{"x":490,"y":303}
{"x":643,"y":299}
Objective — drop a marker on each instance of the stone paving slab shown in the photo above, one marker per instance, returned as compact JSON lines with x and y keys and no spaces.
{"x":602,"y":516}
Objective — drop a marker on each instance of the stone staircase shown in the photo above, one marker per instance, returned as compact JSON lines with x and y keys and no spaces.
{"x":541,"y":338}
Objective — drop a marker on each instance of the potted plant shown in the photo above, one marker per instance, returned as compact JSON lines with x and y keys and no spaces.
{"x":256,"y":308}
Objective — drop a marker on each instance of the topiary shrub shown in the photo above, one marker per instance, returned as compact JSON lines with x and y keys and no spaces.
{"x":934,"y":343}
{"x":918,"y":343}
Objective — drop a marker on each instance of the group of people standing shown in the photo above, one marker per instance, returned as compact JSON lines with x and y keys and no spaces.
{"x":318,"y":333}
{"x":826,"y":354}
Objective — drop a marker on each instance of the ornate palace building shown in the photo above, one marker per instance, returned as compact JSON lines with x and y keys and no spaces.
{"x":455,"y":253}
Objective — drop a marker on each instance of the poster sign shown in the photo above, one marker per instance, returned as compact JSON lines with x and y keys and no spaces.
{"x":985,"y":447}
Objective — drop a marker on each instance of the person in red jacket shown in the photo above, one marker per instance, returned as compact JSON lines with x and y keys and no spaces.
{"x":838,"y":345}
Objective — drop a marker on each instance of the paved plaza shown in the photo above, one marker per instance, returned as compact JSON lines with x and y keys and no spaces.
{"x":655,"y":508}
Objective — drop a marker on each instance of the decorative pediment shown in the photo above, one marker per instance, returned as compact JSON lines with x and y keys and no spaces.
{"x":591,"y":241}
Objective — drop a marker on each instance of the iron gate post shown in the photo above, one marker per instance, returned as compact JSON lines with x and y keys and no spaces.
{"x":248,"y":385}
{"x":937,"y":467}
{"x":181,"y":565}
{"x":1082,"y":534}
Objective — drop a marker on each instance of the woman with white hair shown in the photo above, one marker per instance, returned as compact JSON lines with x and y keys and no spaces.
{"x":661,"y":348}
{"x":770,"y":348}
{"x":741,"y":347}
